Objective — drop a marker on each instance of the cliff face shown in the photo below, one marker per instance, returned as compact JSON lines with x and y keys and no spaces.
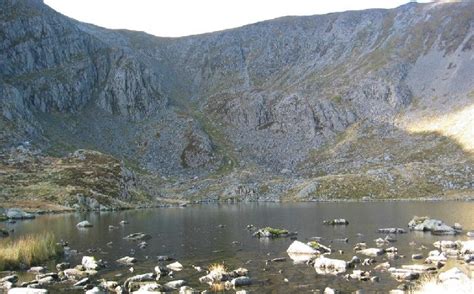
{"x":287,"y":94}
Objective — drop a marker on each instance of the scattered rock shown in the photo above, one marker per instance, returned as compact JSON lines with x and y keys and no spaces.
{"x":62,"y":266}
{"x":328,"y":265}
{"x":173,"y":285}
{"x":90,"y":263}
{"x":27,"y":291}
{"x":127,"y":260}
{"x":435,"y":226}
{"x":391,"y":231}
{"x":137,"y":236}
{"x":269,"y":232}
{"x":175,"y":266}
{"x":417,"y":256}
{"x":16,"y":213}
{"x":372,"y":252}
{"x":241,"y":281}
{"x":298,"y":247}
{"x":336,"y":222}
{"x":84,"y":224}
{"x":37,"y":269}
{"x":404,"y":274}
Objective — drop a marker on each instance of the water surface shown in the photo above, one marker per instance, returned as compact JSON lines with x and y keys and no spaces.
{"x":193,"y":236}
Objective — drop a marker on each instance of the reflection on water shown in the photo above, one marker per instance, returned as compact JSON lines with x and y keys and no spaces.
{"x":193,"y":236}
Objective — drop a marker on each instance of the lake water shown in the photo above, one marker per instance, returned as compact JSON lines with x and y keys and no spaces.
{"x":193,"y":236}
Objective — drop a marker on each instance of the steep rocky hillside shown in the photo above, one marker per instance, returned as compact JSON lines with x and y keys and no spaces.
{"x":375,"y":103}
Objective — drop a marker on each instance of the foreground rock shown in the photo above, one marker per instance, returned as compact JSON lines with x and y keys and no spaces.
{"x":90,"y":263}
{"x":27,"y":291}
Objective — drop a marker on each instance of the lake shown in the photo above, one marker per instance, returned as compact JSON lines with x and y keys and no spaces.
{"x":204,"y":234}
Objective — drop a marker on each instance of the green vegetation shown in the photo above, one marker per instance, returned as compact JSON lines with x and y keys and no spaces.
{"x":28,"y":250}
{"x":276,"y":232}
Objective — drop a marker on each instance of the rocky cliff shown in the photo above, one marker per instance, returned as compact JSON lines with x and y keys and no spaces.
{"x":374,"y":103}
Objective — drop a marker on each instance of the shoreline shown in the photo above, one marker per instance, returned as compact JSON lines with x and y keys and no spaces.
{"x":184,"y":204}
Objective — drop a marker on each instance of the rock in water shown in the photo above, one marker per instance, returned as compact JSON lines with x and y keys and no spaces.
{"x":84,"y":224}
{"x":27,"y":291}
{"x":298,"y":247}
{"x":127,"y":260}
{"x":16,"y":213}
{"x":175,"y":266}
{"x":336,"y":222}
{"x":90,"y":263}
{"x":329,"y":265}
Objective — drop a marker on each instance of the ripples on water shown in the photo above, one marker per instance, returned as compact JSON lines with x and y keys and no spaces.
{"x":192,"y":236}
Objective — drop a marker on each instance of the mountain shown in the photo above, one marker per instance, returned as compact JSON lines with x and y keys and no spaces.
{"x":374,"y":103}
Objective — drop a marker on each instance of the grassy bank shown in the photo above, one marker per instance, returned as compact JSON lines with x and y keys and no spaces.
{"x":28,"y":251}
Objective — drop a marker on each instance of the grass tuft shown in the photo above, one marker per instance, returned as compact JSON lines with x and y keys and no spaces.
{"x":28,"y":251}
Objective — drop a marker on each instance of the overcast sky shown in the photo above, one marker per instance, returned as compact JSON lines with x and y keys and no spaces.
{"x":188,"y":17}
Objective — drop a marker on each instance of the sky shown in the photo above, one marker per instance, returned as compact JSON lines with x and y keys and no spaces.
{"x":174,"y":18}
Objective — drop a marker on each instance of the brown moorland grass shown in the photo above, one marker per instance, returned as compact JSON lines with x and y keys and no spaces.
{"x":28,"y":251}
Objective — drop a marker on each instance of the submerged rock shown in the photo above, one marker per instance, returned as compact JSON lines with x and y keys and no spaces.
{"x":241,"y":281}
{"x":16,"y":213}
{"x":329,"y":265}
{"x":270,"y":232}
{"x":391,"y":231}
{"x":84,"y":224}
{"x":137,"y":236}
{"x":336,"y":222}
{"x":127,"y":260}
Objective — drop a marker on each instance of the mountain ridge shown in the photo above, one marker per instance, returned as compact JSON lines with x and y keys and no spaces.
{"x":263,"y":103}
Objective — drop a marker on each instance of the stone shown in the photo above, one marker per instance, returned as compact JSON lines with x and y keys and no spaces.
{"x":139,"y":278}
{"x":372,"y":252}
{"x":382,"y":267}
{"x":137,"y":236}
{"x":127,"y":260}
{"x":404,"y":274}
{"x":82,"y":282}
{"x":96,"y":290}
{"x":330,"y":265}
{"x":37,"y":269}
{"x":16,"y":213}
{"x":298,"y":247}
{"x":174,"y":284}
{"x":27,"y":291}
{"x":90,"y":263}
{"x":62,"y":266}
{"x":417,"y":256}
{"x":84,"y":224}
{"x":391,"y":231}
{"x":75,"y":274}
{"x":241,"y":281}
{"x":188,"y":290}
{"x":175,"y":266}
{"x":336,"y":222}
